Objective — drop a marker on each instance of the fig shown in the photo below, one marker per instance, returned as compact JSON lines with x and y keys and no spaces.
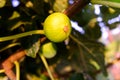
{"x":57,"y":27}
{"x":49,"y":50}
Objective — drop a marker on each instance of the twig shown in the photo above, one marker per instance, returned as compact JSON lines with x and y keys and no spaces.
{"x":75,"y":7}
{"x":8,"y":63}
{"x":10,"y":74}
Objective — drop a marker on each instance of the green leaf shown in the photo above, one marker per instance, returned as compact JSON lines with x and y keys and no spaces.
{"x":111,"y":50}
{"x":97,"y":54}
{"x":106,"y":14}
{"x":34,"y":48}
{"x":114,"y":0}
{"x":77,"y":76}
{"x":83,"y":17}
{"x":31,"y":44}
{"x":4,"y":12}
{"x":88,"y":50}
{"x":106,"y":3}
{"x":38,"y":6}
{"x":60,"y":5}
{"x":93,"y":32}
{"x":100,"y":76}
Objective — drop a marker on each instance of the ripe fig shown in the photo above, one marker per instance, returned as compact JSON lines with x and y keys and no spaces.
{"x":57,"y":27}
{"x":49,"y":50}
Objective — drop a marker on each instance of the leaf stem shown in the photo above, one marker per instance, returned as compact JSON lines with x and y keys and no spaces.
{"x":46,"y":66}
{"x":17,"y":70}
{"x":21,"y":35}
{"x":106,"y":3}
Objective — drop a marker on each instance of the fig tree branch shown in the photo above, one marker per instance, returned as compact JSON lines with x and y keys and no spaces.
{"x":9,"y":63}
{"x":75,"y":7}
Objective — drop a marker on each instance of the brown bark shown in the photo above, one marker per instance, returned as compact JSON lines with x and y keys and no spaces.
{"x":75,"y":7}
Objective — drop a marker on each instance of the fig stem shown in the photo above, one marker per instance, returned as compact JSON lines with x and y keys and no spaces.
{"x":17,"y":70}
{"x":46,"y":66}
{"x":21,"y":35}
{"x":9,"y":46}
{"x":2,"y":71}
{"x":106,"y":3}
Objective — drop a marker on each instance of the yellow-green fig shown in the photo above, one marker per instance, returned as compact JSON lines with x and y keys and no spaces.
{"x":49,"y":50}
{"x":57,"y":27}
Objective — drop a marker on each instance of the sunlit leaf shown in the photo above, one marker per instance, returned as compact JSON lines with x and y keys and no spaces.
{"x":31,"y":43}
{"x":111,"y":50}
{"x":2,"y":3}
{"x":34,"y":48}
{"x":114,"y":0}
{"x":60,"y":5}
{"x":14,"y":15}
{"x":95,"y":64}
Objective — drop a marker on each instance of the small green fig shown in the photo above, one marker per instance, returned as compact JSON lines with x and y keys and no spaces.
{"x":57,"y":27}
{"x":49,"y":50}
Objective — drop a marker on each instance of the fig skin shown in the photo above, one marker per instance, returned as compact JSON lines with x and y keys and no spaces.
{"x":49,"y":50}
{"x":57,"y":27}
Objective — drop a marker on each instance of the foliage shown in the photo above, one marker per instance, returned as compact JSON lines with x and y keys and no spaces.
{"x":79,"y":57}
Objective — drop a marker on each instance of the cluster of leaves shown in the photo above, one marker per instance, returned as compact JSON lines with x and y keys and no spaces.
{"x":84,"y":55}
